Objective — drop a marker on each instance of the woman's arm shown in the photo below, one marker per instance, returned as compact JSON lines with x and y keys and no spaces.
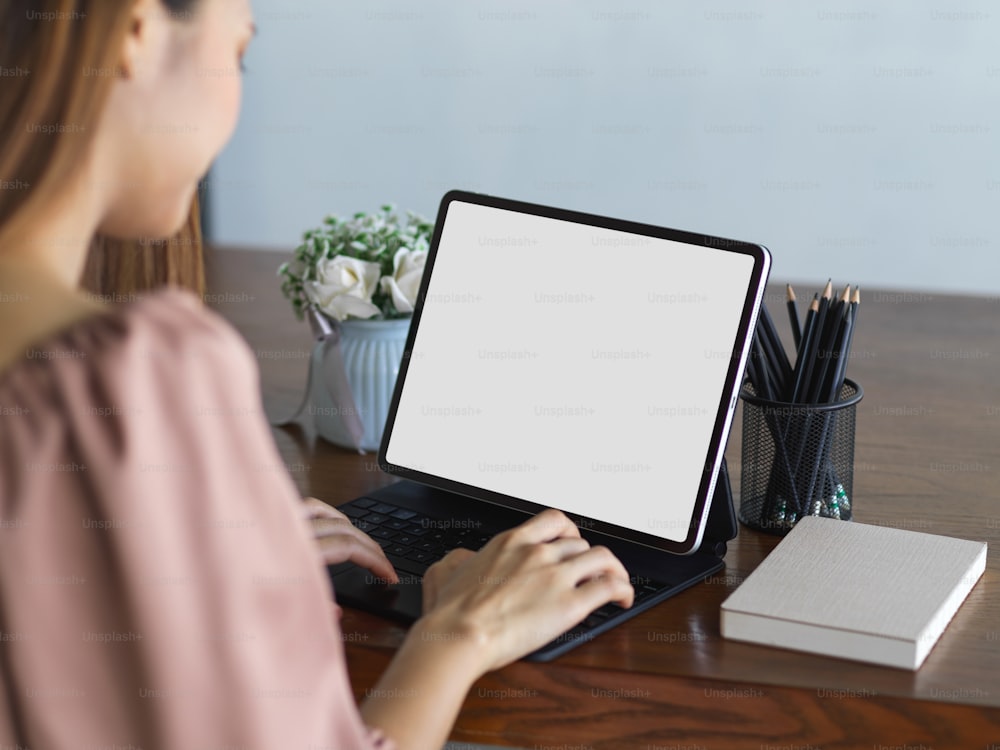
{"x":418,"y":697}
{"x":421,"y":692}
{"x":485,"y":610}
{"x":162,"y":568}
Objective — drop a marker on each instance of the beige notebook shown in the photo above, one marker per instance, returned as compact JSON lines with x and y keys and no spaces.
{"x":855,"y":591}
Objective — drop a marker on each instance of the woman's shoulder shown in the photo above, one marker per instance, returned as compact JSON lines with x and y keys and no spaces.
{"x":160,"y":384}
{"x":165,"y":324}
{"x":164,"y":341}
{"x":174,"y":317}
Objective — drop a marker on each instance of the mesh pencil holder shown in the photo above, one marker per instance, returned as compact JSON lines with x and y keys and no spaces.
{"x":798,"y":460}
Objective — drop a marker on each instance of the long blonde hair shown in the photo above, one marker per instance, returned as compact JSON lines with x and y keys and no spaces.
{"x":59,"y":58}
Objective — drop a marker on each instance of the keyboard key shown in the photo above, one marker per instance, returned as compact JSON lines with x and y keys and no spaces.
{"x":384,"y":508}
{"x":418,"y":556}
{"x":406,"y":539}
{"x":399,"y":549}
{"x":365,"y":526}
{"x":403,"y":514}
{"x":376,"y":518}
{"x":363,"y":502}
{"x":608,"y":610}
{"x":430,"y":546}
{"x":383,"y":534}
{"x":395,"y":524}
{"x":416,"y":530}
{"x":383,"y":543}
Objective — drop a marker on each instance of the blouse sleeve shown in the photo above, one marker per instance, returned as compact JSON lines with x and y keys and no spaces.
{"x":158,"y":588}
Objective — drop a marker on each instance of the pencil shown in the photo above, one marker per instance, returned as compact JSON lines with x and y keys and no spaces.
{"x":805,"y":349}
{"x":841,"y":375}
{"x":793,"y":316}
{"x":810,"y":316}
{"x":836,"y":383}
{"x":835,"y":380}
{"x":828,"y":349}
{"x":774,"y":348}
{"x":804,"y":387}
{"x":793,"y":435}
{"x":837,"y":309}
{"x":803,"y":380}
{"x":838,"y":501}
{"x":771,"y":358}
{"x":752,"y":375}
{"x":764,"y":386}
{"x":818,"y":340}
{"x":822,"y":471}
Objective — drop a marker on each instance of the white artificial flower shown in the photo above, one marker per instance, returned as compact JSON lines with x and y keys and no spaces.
{"x":403,"y":285}
{"x":344,"y":287}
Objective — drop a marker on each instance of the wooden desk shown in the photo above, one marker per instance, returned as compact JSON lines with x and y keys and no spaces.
{"x":927,"y":459}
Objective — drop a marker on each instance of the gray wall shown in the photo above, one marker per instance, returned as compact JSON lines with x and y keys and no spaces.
{"x":856,"y":141}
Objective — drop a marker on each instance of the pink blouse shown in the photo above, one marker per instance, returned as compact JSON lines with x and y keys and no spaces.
{"x":158,"y":588}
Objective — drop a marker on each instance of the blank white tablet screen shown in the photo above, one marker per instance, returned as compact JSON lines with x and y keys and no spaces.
{"x":572,"y":366}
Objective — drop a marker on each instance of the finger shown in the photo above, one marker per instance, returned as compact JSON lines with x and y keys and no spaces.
{"x":360,"y":549}
{"x":441,"y":570}
{"x":596,"y":562}
{"x":313,"y":508}
{"x":598,"y":591}
{"x":455,"y":557}
{"x":437,"y":575}
{"x":533,"y":556}
{"x":548,"y":525}
{"x":337,"y":549}
{"x":326,"y":526}
{"x":567,"y":547}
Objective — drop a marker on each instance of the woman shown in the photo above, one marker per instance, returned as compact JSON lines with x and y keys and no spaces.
{"x":158,"y":588}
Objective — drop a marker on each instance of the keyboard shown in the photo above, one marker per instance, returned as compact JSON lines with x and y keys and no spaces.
{"x":413,"y":542}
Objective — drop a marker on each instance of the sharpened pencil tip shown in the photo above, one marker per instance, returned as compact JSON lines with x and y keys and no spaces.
{"x":846,"y":295}
{"x":856,"y":297}
{"x":814,"y":305}
{"x":828,"y":289}
{"x":790,"y":292}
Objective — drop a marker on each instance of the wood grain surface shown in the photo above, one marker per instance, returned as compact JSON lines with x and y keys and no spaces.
{"x":926,"y":459}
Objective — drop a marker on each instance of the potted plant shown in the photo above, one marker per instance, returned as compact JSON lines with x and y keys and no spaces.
{"x":357,"y":280}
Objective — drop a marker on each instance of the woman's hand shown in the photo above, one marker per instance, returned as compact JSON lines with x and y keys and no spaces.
{"x":339,"y":540}
{"x":484,"y":610}
{"x":524,"y":588}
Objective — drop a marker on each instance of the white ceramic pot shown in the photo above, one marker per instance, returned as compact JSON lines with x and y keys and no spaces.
{"x":371,"y":352}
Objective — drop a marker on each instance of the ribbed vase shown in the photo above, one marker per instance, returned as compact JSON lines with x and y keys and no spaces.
{"x":372,"y":351}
